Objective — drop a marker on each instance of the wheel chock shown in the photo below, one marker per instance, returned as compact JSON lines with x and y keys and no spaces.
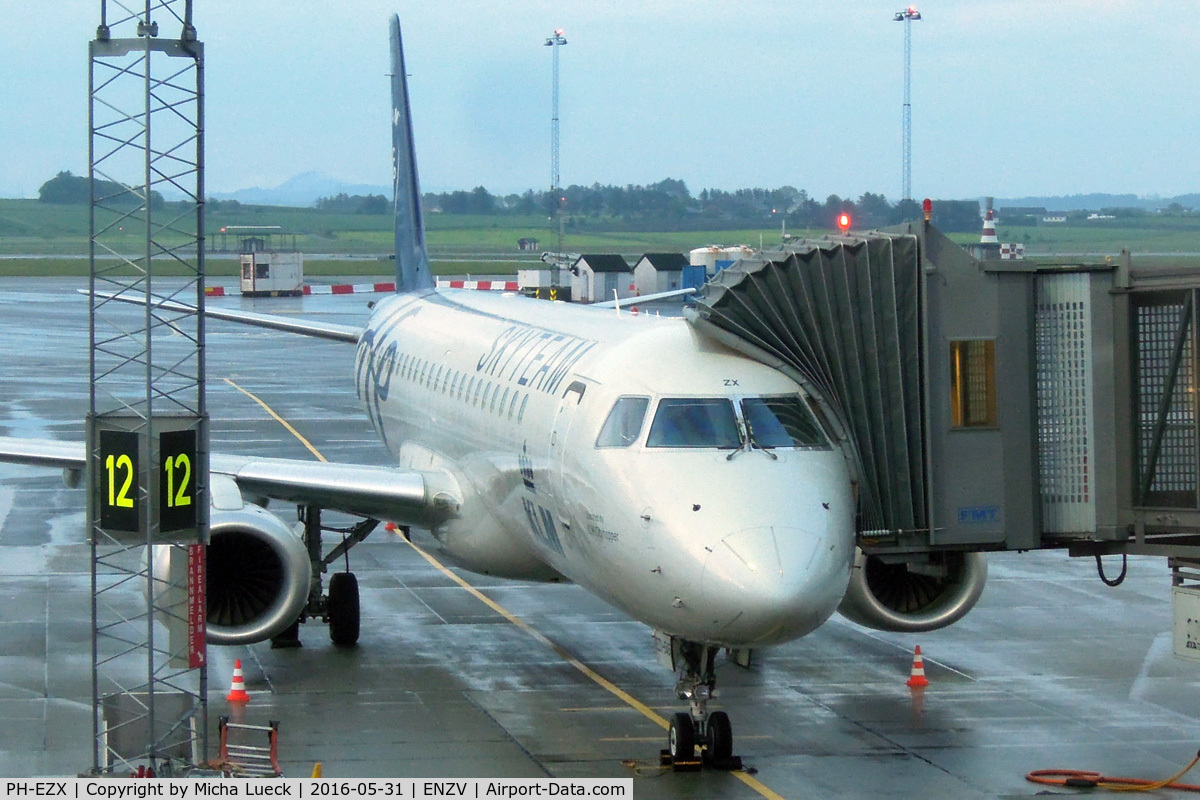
{"x":731,"y":764}
{"x":665,"y":760}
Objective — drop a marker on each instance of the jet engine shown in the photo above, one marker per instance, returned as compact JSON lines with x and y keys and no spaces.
{"x":258,"y":575}
{"x":912,"y":598}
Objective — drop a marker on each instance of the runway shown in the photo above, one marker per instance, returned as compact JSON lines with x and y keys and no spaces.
{"x":1052,"y":669}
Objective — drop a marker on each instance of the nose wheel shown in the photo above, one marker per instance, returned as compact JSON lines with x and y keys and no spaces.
{"x":711,"y":734}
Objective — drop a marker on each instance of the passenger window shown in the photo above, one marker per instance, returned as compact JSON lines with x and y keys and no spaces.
{"x":694,"y":422}
{"x":504,"y":400}
{"x":524,"y":402}
{"x":512,"y":406}
{"x":624,"y":422}
{"x":781,"y":422}
{"x":478,"y":391}
{"x":973,"y":384}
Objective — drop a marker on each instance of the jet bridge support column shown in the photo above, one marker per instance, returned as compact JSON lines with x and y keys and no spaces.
{"x":147,"y":445}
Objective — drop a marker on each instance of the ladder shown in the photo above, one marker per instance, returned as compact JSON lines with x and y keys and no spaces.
{"x":248,"y":761}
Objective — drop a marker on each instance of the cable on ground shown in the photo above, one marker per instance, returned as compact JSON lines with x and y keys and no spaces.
{"x":1082,"y":779}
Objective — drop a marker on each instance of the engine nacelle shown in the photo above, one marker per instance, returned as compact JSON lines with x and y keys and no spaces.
{"x":893,"y":597}
{"x":258,"y":575}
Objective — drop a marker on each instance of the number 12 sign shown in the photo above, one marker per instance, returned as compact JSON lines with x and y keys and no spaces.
{"x":177,"y":480}
{"x":120,"y":499}
{"x":119,"y":492}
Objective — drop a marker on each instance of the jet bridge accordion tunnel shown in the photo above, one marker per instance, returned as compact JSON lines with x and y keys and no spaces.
{"x":984,"y":405}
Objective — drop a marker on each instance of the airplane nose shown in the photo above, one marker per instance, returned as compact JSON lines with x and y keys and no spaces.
{"x":772,"y":583}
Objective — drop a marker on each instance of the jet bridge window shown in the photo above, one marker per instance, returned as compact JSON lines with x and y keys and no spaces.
{"x":781,"y":422}
{"x":624,"y":422}
{"x":973,"y":384}
{"x":694,"y":422}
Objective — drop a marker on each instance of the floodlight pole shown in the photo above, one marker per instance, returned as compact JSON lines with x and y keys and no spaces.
{"x":554,"y":43}
{"x":907,"y":16}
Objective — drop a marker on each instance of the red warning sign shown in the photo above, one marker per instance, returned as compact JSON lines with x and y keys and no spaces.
{"x":197,"y":648}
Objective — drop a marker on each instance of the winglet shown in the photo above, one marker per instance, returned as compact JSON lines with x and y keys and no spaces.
{"x":412,"y":260}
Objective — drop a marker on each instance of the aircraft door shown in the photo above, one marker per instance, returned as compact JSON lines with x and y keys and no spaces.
{"x":558,"y":441}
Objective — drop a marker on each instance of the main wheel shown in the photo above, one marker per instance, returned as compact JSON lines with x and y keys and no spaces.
{"x":682,"y":738}
{"x":720,"y":736}
{"x":342,"y":607}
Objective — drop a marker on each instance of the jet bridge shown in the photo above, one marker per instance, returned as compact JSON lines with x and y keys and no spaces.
{"x":986,"y":405}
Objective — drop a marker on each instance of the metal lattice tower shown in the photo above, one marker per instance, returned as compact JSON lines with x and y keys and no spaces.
{"x":147,"y":425}
{"x":907,"y":16}
{"x":554,"y":43}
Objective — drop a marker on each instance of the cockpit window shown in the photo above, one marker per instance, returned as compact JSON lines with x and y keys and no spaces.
{"x":694,"y":422}
{"x":781,"y":422}
{"x":624,"y":422}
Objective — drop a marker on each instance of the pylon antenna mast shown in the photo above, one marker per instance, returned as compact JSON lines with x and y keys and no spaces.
{"x":907,"y":16}
{"x":554,"y":43}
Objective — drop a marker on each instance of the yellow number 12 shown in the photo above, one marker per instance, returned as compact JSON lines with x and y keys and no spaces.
{"x":121,"y":499}
{"x":178,"y":497}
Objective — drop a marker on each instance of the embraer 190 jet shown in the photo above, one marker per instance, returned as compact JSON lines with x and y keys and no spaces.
{"x":701,"y":492}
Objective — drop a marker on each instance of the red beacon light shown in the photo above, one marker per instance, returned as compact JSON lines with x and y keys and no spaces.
{"x":927,"y":207}
{"x":843,"y":222}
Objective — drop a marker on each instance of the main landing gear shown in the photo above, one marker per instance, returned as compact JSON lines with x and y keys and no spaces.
{"x":340,"y":607}
{"x":698,"y":738}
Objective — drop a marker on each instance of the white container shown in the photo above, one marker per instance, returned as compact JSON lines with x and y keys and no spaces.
{"x":1185,"y":601}
{"x":272,"y":274}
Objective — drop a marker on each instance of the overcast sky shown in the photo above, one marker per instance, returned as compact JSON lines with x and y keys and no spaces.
{"x":1010,"y":97}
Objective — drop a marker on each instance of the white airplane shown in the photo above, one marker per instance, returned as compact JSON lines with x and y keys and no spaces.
{"x":701,"y":492}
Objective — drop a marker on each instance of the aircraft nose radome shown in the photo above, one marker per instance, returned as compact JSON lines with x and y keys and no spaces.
{"x":771,"y":583}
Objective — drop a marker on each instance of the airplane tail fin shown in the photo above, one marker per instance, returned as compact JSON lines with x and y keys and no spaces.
{"x":412,"y":259}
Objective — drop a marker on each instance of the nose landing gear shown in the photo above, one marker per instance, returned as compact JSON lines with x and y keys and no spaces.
{"x":711,"y":734}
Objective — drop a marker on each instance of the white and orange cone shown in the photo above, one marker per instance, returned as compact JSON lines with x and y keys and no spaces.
{"x":237,"y":691}
{"x":917,"y":679}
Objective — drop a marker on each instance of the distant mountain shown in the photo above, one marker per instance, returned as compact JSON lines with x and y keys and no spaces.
{"x":300,"y":190}
{"x":1097,"y":201}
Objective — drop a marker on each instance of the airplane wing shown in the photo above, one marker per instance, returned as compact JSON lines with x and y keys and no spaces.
{"x":405,"y":496}
{"x":323,"y":330}
{"x":645,"y":298}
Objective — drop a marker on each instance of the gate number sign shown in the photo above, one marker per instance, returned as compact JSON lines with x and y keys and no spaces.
{"x":119,"y":495}
{"x":177,"y":480}
{"x":119,"y":492}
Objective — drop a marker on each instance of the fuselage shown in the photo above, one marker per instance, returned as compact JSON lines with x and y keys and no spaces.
{"x":686,"y":484}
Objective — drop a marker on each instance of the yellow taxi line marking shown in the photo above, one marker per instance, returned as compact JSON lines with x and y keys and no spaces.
{"x":280,"y":420}
{"x":645,"y":710}
{"x":596,"y":677}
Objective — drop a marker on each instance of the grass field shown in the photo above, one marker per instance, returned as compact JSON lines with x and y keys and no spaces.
{"x":462,"y":244}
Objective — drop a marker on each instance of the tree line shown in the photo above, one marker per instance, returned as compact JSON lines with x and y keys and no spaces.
{"x":666,"y":205}
{"x":68,"y":189}
{"x":669,"y":204}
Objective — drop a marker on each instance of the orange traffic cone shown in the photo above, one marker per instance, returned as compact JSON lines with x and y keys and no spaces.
{"x":917,"y":679}
{"x":237,"y":691}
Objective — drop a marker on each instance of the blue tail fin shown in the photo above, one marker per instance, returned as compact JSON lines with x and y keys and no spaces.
{"x":412,"y":260}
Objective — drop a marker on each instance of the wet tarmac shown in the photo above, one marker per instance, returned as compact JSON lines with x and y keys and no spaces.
{"x":1052,"y":668}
